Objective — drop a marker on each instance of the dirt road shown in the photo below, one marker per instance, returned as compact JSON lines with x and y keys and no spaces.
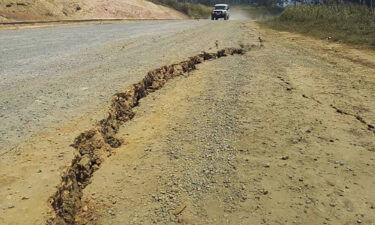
{"x":61,"y":69}
{"x":283,"y":134}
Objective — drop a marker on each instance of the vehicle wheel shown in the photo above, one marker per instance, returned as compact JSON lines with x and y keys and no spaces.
{"x":225,"y":17}
{"x":212,"y":18}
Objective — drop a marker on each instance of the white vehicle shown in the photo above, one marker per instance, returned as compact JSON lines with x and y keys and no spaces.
{"x":220,"y":11}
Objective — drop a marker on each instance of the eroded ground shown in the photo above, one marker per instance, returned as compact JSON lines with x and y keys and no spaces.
{"x":280,"y":135}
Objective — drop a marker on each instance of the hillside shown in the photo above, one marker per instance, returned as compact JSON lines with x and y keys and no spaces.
{"x":20,"y":10}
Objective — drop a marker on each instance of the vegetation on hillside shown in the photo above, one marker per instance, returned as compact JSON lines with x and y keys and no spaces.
{"x":348,"y":23}
{"x":191,"y":9}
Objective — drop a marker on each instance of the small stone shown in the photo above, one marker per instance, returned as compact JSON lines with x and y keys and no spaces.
{"x":308,"y":201}
{"x":85,"y":208}
{"x":372,"y":207}
{"x":24,"y":198}
{"x":359,"y":221}
{"x":285,"y":157}
{"x":11,"y":207}
{"x":266,"y":165}
{"x":332,"y":204}
{"x":39,"y":171}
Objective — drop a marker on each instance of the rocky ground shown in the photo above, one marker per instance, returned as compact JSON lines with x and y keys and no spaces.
{"x":283,"y":134}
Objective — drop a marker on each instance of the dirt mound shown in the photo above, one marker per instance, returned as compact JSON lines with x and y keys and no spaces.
{"x":21,"y":10}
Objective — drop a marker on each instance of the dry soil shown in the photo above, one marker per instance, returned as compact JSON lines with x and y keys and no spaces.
{"x":41,"y":10}
{"x":283,"y":134}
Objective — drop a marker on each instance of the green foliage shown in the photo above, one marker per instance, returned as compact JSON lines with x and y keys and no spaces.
{"x":342,"y":22}
{"x":191,"y":9}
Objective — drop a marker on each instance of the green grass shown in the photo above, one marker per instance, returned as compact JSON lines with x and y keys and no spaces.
{"x":347,"y":23}
{"x":190,"y":9}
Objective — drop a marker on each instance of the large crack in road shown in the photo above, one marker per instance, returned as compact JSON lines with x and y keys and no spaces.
{"x":91,"y":145}
{"x":280,"y":135}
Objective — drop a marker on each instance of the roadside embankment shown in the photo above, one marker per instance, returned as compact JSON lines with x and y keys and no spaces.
{"x":191,"y":9}
{"x":47,"y":10}
{"x":348,"y":23}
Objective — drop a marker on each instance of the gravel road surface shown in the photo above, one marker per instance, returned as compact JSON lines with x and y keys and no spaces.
{"x":46,"y":74}
{"x":283,"y":134}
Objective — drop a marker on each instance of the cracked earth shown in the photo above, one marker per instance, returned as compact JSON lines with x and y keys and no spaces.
{"x":281,"y":134}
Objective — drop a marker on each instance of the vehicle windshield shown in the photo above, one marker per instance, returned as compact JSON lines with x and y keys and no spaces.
{"x":221,"y":7}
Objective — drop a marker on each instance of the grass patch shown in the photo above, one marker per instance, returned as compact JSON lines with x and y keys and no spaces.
{"x":190,"y":9}
{"x":354,"y":24}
